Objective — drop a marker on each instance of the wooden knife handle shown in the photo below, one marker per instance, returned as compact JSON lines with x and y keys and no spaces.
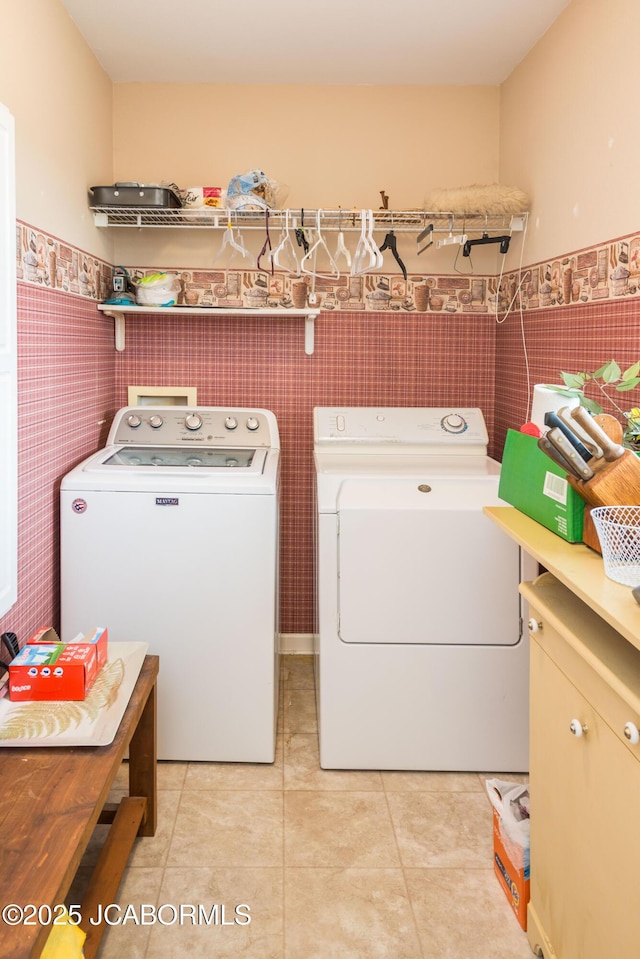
{"x":610,"y":451}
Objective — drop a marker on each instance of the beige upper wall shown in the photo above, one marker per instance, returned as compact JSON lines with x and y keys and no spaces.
{"x":332,"y":146}
{"x":61,"y":100}
{"x":562,"y":127}
{"x":569,"y":129}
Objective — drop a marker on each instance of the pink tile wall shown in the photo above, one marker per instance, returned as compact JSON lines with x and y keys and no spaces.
{"x":71,"y":381}
{"x":575,"y":338}
{"x":359,"y":359}
{"x":66,"y":392}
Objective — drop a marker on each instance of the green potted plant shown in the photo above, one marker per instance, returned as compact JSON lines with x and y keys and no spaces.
{"x":609,"y":378}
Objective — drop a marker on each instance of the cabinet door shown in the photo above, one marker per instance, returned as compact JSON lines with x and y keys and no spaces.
{"x":585,"y":829}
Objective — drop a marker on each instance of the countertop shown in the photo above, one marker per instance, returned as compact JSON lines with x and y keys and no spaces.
{"x":577,"y":566}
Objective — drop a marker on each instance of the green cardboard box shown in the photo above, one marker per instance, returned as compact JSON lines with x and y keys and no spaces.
{"x":533,"y":483}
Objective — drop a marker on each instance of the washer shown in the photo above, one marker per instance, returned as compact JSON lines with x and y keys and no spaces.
{"x":422,"y":662}
{"x":170,"y":536}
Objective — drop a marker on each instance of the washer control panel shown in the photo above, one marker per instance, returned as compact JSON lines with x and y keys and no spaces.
{"x":203,"y":426}
{"x":429,"y":429}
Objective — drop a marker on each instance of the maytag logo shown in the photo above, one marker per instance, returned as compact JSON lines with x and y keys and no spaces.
{"x":167,"y":501}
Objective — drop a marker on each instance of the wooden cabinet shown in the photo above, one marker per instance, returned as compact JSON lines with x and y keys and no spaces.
{"x":585,"y":789}
{"x":584,"y":779}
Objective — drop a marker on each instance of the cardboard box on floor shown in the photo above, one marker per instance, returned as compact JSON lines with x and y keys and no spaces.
{"x":510,"y":868}
{"x":511,"y":843}
{"x":535,"y":485}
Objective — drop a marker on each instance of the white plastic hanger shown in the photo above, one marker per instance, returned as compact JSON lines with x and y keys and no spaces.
{"x":460,"y":238}
{"x":284,"y":256}
{"x":361,"y":261}
{"x":367,"y":256}
{"x":379,"y":258}
{"x":341,"y":249}
{"x":312,"y":255}
{"x":231,"y":246}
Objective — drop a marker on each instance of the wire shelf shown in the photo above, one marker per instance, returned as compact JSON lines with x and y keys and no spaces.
{"x":401,"y":221}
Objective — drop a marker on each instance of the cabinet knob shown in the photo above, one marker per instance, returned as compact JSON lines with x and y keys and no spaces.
{"x":534,"y":625}
{"x":631,"y":733}
{"x":577,"y":728}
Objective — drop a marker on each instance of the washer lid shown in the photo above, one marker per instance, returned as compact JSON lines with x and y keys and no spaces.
{"x":163,"y":458}
{"x":200,"y":470}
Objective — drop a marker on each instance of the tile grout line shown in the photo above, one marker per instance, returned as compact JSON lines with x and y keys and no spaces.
{"x":164,"y":865}
{"x":402,"y":869}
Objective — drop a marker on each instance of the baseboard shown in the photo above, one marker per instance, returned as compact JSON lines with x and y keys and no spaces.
{"x":296,"y":643}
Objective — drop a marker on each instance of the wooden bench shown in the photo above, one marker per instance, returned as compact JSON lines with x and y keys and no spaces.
{"x":51,"y":799}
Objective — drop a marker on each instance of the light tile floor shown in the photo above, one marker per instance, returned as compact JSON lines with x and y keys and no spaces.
{"x":352,"y":865}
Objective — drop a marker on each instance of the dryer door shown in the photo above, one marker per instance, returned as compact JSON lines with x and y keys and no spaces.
{"x":419,"y":562}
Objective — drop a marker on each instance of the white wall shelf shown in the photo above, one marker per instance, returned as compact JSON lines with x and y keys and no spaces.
{"x":400,"y":221}
{"x":119,"y":314}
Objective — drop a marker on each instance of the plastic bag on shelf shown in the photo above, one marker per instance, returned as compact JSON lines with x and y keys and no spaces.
{"x":157,"y":289}
{"x":254,"y":191}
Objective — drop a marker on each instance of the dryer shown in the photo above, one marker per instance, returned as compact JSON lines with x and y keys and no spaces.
{"x":169,"y":536}
{"x":422,"y":661}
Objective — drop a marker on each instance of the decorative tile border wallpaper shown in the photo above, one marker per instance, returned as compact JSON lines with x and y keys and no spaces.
{"x":374,"y":292}
{"x":599,"y":273}
{"x":51,"y":264}
{"x":592,"y":275}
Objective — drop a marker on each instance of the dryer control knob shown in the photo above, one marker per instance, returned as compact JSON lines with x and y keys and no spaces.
{"x":454,"y":423}
{"x":253,"y":423}
{"x":230,"y":423}
{"x":155,"y":421}
{"x":134,"y":421}
{"x":193,"y":421}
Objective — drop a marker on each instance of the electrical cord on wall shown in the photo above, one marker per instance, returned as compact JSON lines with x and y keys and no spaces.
{"x":499,"y":320}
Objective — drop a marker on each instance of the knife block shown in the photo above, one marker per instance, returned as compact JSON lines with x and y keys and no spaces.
{"x":616,"y":484}
{"x":590,"y":536}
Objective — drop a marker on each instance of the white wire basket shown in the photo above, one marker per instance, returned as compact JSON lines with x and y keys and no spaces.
{"x":618,"y":529}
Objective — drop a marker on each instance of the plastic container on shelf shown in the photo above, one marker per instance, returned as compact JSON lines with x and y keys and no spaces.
{"x":618,"y":529}
{"x":158,"y":289}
